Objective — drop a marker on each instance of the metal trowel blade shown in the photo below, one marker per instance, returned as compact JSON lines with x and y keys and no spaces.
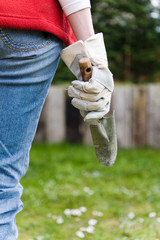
{"x":105,"y":140}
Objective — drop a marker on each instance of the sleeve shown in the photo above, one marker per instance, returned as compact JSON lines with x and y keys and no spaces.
{"x":71,"y":6}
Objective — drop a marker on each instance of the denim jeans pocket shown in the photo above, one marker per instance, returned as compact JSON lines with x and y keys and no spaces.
{"x":25,"y":40}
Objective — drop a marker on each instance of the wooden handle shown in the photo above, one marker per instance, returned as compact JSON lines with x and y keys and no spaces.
{"x":85,"y":68}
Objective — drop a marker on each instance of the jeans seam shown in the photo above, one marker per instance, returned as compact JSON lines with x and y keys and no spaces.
{"x":22,"y":44}
{"x":19,"y":49}
{"x":23,"y":50}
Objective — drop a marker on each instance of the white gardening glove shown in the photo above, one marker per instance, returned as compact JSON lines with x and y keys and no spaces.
{"x":91,"y":98}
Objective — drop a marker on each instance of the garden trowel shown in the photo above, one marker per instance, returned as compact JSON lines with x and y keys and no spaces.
{"x":104,"y":130}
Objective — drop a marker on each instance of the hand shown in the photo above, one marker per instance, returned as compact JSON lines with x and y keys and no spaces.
{"x":91,"y":98}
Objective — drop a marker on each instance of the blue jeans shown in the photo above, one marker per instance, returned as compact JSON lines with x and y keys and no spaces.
{"x":28,"y":61}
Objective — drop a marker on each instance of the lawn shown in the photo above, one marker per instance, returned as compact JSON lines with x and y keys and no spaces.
{"x":69,"y":195}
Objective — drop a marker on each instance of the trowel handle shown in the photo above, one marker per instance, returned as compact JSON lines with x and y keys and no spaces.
{"x":85,"y":68}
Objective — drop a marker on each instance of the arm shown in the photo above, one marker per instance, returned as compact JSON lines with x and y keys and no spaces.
{"x":79,"y":15}
{"x":81,"y":23}
{"x":92,"y":98}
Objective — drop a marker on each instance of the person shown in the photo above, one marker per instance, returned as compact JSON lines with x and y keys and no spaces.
{"x":32,"y":34}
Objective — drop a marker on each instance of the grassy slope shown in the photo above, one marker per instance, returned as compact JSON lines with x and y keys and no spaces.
{"x":56,"y":180}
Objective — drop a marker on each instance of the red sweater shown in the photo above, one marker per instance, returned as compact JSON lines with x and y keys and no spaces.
{"x":43,"y":15}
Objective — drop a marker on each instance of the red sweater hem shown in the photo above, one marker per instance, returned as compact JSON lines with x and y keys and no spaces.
{"x":24,"y":22}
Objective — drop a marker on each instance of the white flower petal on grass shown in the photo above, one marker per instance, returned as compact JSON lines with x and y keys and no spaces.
{"x":67,"y":212}
{"x":98,"y":214}
{"x":76,"y":212}
{"x":52,"y":216}
{"x":152,"y":215}
{"x":158,"y":219}
{"x":92,"y":222}
{"x":39,"y":238}
{"x":131,"y":215}
{"x":59,"y":220}
{"x":90,"y":229}
{"x":80,"y":234}
{"x":83,"y":209}
{"x":88,"y":190}
{"x":125,"y":190}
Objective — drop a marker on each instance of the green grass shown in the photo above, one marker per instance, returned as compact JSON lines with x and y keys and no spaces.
{"x":57,"y":178}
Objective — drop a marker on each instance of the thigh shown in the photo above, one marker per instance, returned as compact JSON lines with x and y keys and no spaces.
{"x":28,"y":61}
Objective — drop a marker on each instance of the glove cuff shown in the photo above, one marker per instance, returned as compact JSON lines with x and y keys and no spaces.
{"x":93,"y":48}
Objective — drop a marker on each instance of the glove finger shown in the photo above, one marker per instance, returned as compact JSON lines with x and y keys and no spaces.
{"x":96,"y":115}
{"x":90,"y":106}
{"x":79,"y":104}
{"x":93,"y":97}
{"x":78,"y":84}
{"x":91,"y":86}
{"x":73,"y":92}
